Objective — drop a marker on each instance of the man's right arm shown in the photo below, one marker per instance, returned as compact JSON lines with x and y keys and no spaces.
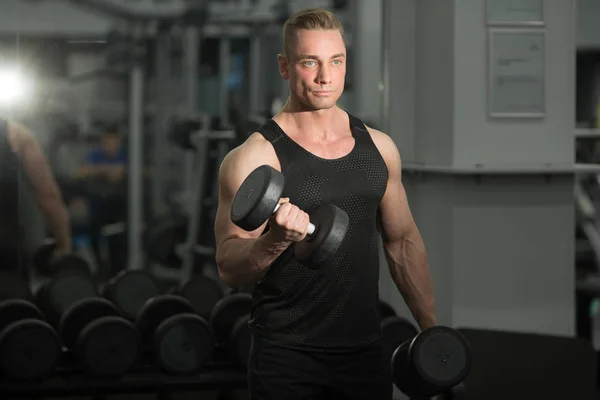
{"x":242,"y":257}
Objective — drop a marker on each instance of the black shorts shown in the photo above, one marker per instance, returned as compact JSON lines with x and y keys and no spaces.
{"x":277,"y":373}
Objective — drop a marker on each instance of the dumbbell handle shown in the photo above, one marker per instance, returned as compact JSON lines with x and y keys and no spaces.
{"x":311,"y":227}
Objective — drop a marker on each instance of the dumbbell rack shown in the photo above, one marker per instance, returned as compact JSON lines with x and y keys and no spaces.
{"x":198,"y":203}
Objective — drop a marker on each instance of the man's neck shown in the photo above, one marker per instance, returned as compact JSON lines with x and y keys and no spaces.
{"x":312,"y":123}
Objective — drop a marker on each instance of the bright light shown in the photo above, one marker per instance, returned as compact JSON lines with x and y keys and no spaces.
{"x":13,"y":87}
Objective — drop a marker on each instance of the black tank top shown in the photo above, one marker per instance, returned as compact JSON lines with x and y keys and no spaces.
{"x":333,"y":308}
{"x":10,"y":181}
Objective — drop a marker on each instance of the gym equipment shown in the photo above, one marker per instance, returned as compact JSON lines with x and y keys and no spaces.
{"x":43,"y":264}
{"x":258,"y":198}
{"x":179,"y":339}
{"x":29,"y":346}
{"x":202,"y":292}
{"x":433,"y":362}
{"x":229,"y":323}
{"x":129,"y":291}
{"x":165,"y":242}
{"x":102,"y":343}
{"x":395,"y":331}
{"x":162,"y":239}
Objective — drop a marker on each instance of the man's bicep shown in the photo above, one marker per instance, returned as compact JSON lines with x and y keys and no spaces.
{"x":396,"y":217}
{"x":232,"y":173}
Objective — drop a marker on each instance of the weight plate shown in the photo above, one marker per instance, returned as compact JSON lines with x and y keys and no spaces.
{"x":331,"y":225}
{"x":17,"y":309}
{"x":13,"y":285}
{"x":158,"y":309}
{"x":401,"y":371}
{"x":183,"y":343}
{"x":441,"y":356}
{"x":257,"y":198}
{"x":129,"y":291}
{"x":395,"y":331}
{"x":29,"y":349}
{"x":226,"y":314}
{"x":108,"y":346}
{"x":67,"y":288}
{"x":203,"y":293}
{"x":70,"y":262}
{"x":241,"y":341}
{"x":80,"y":314}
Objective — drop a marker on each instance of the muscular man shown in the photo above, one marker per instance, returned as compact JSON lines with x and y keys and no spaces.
{"x":21,"y":159}
{"x":316,"y":330}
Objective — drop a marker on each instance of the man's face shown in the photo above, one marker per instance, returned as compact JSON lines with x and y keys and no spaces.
{"x":316,"y":68}
{"x":111,"y":144}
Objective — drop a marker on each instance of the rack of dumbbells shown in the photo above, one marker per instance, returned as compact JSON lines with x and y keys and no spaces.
{"x":70,"y":336}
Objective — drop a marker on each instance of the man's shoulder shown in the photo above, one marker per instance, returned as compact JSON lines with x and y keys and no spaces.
{"x":254,"y":151}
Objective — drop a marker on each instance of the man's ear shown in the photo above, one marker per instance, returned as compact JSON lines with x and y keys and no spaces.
{"x":283,"y":66}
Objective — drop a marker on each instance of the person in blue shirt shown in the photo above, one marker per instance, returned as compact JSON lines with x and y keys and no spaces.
{"x":104,"y":173}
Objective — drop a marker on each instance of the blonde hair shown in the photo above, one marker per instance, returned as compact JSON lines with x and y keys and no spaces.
{"x":309,"y":19}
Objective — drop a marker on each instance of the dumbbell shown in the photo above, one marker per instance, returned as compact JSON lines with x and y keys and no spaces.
{"x":431,"y":363}
{"x":29,"y":347}
{"x":202,"y":292}
{"x":395,"y":330}
{"x":101,"y":342}
{"x":229,"y":323}
{"x":258,"y":198}
{"x":44,"y":265}
{"x":179,"y":339}
{"x":129,"y":291}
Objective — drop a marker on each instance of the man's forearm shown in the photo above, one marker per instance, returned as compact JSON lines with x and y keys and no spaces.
{"x":57,"y":218}
{"x":245,"y":261}
{"x":407,"y":260}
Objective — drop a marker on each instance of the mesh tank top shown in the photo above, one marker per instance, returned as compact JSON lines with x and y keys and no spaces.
{"x":333,"y":307}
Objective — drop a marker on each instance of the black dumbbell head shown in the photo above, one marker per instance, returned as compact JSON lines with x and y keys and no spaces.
{"x":29,"y":347}
{"x":70,"y":262}
{"x":331,"y":225}
{"x":108,"y":346}
{"x":183,"y":343}
{"x":203,"y":293}
{"x":436,"y":360}
{"x":257,"y":198}
{"x":227,"y":313}
{"x":80,"y":314}
{"x":129,"y":291}
{"x":158,"y":309}
{"x":65,"y":289}
{"x":395,"y":331}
